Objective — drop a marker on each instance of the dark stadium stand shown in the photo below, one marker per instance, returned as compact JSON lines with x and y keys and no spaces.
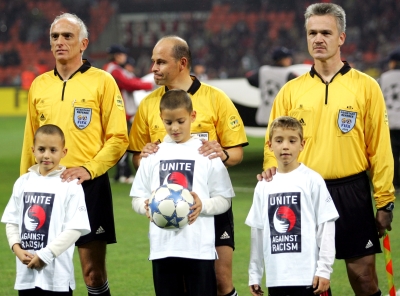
{"x":228,"y":37}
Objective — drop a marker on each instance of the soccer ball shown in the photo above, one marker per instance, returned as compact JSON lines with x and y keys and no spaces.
{"x":169,"y":206}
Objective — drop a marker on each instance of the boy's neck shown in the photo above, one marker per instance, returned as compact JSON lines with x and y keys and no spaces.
{"x":46,"y":173}
{"x":287,"y":168}
{"x":183,"y":141}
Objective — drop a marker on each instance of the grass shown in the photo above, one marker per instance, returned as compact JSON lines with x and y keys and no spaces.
{"x":129,"y":271}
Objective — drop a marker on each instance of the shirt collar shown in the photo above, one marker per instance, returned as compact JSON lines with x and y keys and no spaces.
{"x":168,"y":139}
{"x":193,"y":88}
{"x":346,"y":68}
{"x":35,"y":169}
{"x":85,"y":66}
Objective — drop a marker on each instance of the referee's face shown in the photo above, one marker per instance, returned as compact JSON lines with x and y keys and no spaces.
{"x":323,"y":37}
{"x":65,"y":43}
{"x":165,"y":67}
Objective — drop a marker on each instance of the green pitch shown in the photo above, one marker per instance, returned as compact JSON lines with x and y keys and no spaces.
{"x":127,"y":264}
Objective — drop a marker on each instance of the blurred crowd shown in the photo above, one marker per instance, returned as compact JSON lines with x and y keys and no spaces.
{"x":239,"y":36}
{"x":228,"y":39}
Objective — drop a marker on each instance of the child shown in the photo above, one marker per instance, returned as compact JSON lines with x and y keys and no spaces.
{"x":44,"y":218}
{"x":183,"y":258}
{"x":292,"y":222}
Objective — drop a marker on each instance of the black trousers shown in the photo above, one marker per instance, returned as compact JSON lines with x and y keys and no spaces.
{"x":172,"y":276}
{"x":40,"y":292}
{"x":395,"y":141}
{"x":295,"y":291}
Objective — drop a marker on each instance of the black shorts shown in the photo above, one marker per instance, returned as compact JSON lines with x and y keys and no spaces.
{"x":295,"y":291}
{"x":39,"y":292}
{"x":224,"y":234}
{"x":356,"y":233}
{"x":100,"y":211}
{"x":172,"y":276}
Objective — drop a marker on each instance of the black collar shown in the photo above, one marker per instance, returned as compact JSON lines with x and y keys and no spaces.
{"x":346,"y":68}
{"x":193,"y":88}
{"x":85,"y":66}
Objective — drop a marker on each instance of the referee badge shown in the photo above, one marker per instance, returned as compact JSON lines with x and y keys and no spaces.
{"x":119,"y":102}
{"x":234,"y":123}
{"x":82,"y":117}
{"x":346,"y":120}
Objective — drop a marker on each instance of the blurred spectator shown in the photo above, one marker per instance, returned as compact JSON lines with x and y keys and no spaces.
{"x":199,"y":70}
{"x":255,"y":26}
{"x":27,"y":77}
{"x":122,"y":69}
{"x":390,"y":84}
{"x":281,"y":57}
{"x":10,"y":57}
{"x":31,"y":72}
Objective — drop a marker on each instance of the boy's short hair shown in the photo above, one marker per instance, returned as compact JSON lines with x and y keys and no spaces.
{"x":174,"y":99}
{"x":50,"y":129}
{"x":285,"y":122}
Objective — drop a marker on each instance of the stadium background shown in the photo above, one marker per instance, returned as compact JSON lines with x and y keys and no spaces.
{"x":229,"y":38}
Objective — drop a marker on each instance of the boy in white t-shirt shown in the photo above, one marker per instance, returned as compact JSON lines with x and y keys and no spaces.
{"x":292,"y":222}
{"x":44,"y":217}
{"x":183,"y":259}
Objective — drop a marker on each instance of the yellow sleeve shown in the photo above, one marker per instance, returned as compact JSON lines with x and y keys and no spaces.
{"x":113,"y":121}
{"x":229,"y":125}
{"x":139,"y":135}
{"x":377,"y":140}
{"x":279,"y":108}
{"x":31,"y":125}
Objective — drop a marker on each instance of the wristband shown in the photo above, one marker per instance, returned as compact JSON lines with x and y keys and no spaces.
{"x":227,"y":156}
{"x":388,"y":208}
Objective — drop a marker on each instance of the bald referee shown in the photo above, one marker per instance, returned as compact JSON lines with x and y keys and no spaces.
{"x":218,"y":123}
{"x":343,"y":114}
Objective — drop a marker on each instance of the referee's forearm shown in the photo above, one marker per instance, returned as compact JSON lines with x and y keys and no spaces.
{"x":136,"y":160}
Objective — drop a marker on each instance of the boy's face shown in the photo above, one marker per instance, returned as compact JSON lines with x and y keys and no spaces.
{"x":177,"y":123}
{"x":286,"y":145}
{"x":48,"y":151}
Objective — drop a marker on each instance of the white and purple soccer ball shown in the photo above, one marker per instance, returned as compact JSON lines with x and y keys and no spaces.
{"x":169,"y":206}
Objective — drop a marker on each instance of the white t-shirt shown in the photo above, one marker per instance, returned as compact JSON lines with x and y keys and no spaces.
{"x":43,"y":207}
{"x":288,"y":210}
{"x":184,"y":165}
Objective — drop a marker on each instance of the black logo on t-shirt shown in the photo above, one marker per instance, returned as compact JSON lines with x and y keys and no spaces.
{"x":177,"y":171}
{"x":37,"y":214}
{"x":284,"y":214}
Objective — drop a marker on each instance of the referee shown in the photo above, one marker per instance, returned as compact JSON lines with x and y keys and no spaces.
{"x":86,"y":104}
{"x":218,"y":123}
{"x":343,"y":114}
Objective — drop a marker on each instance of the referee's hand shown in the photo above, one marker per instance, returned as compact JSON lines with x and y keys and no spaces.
{"x":79,"y":173}
{"x":267,"y":175}
{"x":383,"y":221}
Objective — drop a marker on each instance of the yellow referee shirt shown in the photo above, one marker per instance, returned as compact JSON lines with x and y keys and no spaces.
{"x":345,"y":127}
{"x":89,"y":109}
{"x":216,"y":118}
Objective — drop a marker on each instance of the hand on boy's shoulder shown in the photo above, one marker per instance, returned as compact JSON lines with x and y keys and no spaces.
{"x":149,"y":148}
{"x":79,"y":173}
{"x":212,"y":149}
{"x":267,"y":175}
